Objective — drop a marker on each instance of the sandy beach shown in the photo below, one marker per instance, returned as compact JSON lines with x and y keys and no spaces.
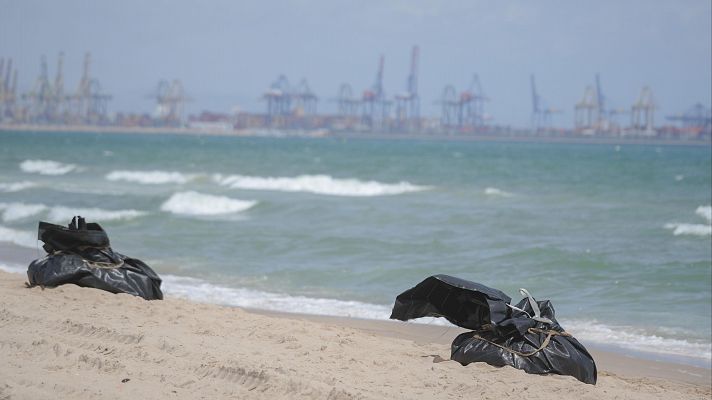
{"x":72,"y":342}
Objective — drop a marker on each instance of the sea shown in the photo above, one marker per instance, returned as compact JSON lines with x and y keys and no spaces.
{"x":618,"y":237}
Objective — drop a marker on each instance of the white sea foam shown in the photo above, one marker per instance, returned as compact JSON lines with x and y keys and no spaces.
{"x":694,"y":229}
{"x":13,"y":268}
{"x":16,"y":186}
{"x":194,"y":203}
{"x":63,"y":214}
{"x":635,"y":339}
{"x":491,"y":191}
{"x":20,"y":238}
{"x":16,"y":211}
{"x":689,"y":229}
{"x":199,"y":290}
{"x":319,"y":184}
{"x":588,"y":331}
{"x":150,"y":177}
{"x":705,"y":212}
{"x":46,"y":167}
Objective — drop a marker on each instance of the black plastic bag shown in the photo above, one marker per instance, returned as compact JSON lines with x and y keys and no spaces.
{"x":525,"y":336}
{"x":466,"y":304}
{"x":80,"y":254}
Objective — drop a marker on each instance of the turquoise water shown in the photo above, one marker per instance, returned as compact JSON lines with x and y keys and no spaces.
{"x":618,"y":237}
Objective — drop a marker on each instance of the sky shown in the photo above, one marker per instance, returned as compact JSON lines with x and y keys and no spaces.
{"x":227,"y":52}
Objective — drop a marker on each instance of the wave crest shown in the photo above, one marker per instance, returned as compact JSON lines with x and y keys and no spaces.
{"x":15,"y":211}
{"x":13,"y":268}
{"x":492,"y":191}
{"x":20,"y":238}
{"x":318,"y":184}
{"x":636,"y":339}
{"x":149,"y":177}
{"x":194,"y":203}
{"x":592,"y":331}
{"x":16,"y":186}
{"x":694,"y":229}
{"x":202,"y":291}
{"x":689,"y":229}
{"x":46,"y":167}
{"x":62,"y":214}
{"x":705,"y":212}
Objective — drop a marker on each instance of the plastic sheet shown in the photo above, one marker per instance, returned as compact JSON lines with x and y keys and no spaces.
{"x":519,"y":335}
{"x":81,"y":254}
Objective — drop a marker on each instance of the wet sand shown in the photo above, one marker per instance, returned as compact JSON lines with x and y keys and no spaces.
{"x":72,"y":342}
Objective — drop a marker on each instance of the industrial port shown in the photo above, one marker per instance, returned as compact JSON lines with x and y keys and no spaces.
{"x":293,"y":108}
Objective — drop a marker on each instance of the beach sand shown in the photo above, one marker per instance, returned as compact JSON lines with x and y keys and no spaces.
{"x":82,"y":343}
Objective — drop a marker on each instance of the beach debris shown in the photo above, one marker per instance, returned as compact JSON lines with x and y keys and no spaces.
{"x":81,"y":254}
{"x":525,"y":336}
{"x":125,"y":380}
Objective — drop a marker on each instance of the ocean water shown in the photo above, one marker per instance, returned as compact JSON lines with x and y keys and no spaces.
{"x":618,"y":237}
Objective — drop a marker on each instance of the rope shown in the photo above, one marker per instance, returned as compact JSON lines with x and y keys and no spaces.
{"x":549,"y":334}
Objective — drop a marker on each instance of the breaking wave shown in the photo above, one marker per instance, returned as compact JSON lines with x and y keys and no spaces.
{"x":46,"y":167}
{"x":150,"y":177}
{"x":20,"y":238}
{"x":16,"y":211}
{"x":202,"y":291}
{"x":16,"y":186}
{"x":689,"y":229}
{"x":705,"y":212}
{"x":64,"y":214}
{"x":636,"y":339}
{"x":13,"y":268}
{"x":491,"y":191}
{"x":319,"y":184}
{"x":694,"y":229}
{"x":194,"y":203}
{"x":589,"y":331}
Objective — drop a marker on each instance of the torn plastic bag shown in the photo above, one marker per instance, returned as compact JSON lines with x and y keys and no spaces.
{"x":524,"y":343}
{"x":525,"y":336}
{"x":80,"y":254}
{"x":466,"y":304}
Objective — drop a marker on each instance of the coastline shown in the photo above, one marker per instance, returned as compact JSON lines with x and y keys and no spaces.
{"x":86,"y":343}
{"x":509,"y":137}
{"x":612,"y":364}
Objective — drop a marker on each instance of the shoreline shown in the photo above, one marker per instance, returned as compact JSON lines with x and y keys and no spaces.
{"x":623,"y":362}
{"x":77,"y":342}
{"x":276,"y":133}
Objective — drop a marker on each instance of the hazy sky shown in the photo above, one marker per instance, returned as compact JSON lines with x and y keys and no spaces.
{"x":228,"y":52}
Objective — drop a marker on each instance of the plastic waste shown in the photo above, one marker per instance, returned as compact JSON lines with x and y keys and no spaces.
{"x":81,"y":254}
{"x":525,"y":336}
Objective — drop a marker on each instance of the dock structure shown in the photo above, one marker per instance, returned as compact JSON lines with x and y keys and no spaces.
{"x":48,"y":101}
{"x":290,"y":106}
{"x":463,"y":112}
{"x":90,"y":102}
{"x":473,"y":105}
{"x":643,"y":112}
{"x":697,"y":119}
{"x":541,"y":118}
{"x":170,"y":100}
{"x":408,"y":103}
{"x":450,"y":117}
{"x":8,"y":91}
{"x":375,"y":108}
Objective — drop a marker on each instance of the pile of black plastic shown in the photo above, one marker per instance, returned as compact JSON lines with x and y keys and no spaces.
{"x":525,"y":336}
{"x":81,"y":254}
